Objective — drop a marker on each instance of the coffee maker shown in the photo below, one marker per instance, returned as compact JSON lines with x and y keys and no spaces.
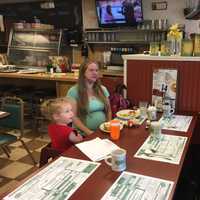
{"x":113,"y":59}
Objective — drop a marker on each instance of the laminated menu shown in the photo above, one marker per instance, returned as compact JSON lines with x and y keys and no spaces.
{"x":168,"y":148}
{"x":59,"y":180}
{"x":139,"y":187}
{"x":176,"y":123}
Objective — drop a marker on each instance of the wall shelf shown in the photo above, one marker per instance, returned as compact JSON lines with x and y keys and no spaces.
{"x":124,"y":36}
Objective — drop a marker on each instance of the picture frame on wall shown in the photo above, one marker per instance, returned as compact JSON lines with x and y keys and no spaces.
{"x":164,"y":87}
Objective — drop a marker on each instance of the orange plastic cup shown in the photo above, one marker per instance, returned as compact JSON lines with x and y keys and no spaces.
{"x":115,"y":129}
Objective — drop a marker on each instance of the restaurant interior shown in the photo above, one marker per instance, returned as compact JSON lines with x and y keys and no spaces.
{"x":154,"y":58}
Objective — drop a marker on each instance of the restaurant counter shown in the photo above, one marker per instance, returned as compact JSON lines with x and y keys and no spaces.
{"x":138,"y":76}
{"x":59,"y":81}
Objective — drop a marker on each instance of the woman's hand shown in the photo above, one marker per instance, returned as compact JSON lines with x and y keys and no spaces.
{"x":78,"y":123}
{"x":90,"y":132}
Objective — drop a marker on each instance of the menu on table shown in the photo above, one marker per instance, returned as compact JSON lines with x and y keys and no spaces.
{"x":97,"y":149}
{"x":57,"y":181}
{"x":138,"y":187}
{"x":176,"y":123}
{"x":168,"y":148}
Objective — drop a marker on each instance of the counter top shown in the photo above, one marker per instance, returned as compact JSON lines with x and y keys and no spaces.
{"x":69,"y":77}
{"x":169,"y":58}
{"x":42,"y":76}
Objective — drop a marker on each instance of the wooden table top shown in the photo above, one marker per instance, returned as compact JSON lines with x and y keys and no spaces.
{"x":131,"y":139}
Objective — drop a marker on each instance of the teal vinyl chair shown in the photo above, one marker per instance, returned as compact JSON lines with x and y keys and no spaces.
{"x":14,"y":106}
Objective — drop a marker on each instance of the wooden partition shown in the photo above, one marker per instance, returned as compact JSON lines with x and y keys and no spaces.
{"x":139,"y":80}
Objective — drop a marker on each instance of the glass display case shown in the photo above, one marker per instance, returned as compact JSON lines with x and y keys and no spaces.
{"x":31,"y":47}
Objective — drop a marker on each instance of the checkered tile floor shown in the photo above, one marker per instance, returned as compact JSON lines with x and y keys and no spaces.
{"x":20,"y":165}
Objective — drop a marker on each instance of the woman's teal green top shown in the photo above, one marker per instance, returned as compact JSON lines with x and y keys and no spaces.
{"x":96,"y":108}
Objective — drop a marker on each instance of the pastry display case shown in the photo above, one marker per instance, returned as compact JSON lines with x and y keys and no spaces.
{"x":32,"y":47}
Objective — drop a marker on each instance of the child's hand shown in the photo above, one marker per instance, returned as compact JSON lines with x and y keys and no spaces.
{"x":79,"y":137}
{"x":75,"y":137}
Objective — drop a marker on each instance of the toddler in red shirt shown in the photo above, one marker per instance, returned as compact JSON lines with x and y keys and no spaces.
{"x":59,"y":112}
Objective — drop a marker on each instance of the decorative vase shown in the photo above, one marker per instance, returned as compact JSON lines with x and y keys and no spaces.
{"x":175,"y":47}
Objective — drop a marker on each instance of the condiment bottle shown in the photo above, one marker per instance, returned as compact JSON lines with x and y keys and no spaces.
{"x":49,"y":67}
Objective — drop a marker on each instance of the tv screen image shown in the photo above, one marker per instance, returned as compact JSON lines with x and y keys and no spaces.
{"x":119,"y":12}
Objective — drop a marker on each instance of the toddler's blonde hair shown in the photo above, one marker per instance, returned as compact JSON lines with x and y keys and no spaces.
{"x":52,"y":106}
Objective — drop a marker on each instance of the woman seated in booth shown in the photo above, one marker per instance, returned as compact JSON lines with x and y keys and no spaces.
{"x":91,"y":104}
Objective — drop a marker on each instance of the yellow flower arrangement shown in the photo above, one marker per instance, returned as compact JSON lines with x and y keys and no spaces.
{"x":174,"y":32}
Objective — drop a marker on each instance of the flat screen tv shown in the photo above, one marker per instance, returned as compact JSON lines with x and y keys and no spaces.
{"x":113,"y":13}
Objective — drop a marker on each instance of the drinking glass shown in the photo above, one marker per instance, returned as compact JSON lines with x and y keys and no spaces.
{"x":154,"y":48}
{"x":155,"y":129}
{"x":143,"y":108}
{"x":115,"y":129}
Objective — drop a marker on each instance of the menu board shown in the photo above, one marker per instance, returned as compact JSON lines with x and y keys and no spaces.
{"x":164,"y":87}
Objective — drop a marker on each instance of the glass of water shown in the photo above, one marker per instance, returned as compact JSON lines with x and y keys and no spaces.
{"x":143,"y":108}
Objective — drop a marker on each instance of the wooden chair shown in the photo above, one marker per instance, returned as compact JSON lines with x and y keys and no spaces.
{"x":14,"y":106}
{"x":47,"y":152}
